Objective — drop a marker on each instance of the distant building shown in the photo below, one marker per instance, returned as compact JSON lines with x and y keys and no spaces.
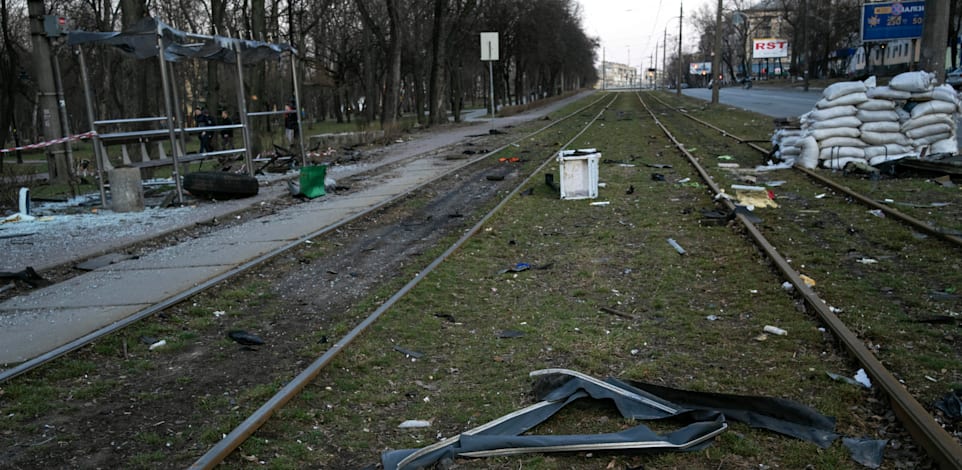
{"x":615,"y":75}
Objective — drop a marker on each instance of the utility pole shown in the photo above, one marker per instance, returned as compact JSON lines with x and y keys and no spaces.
{"x":664,"y":55}
{"x":58,"y":167}
{"x":716,"y":55}
{"x":806,"y":53}
{"x":935,"y":32}
{"x":681,"y":19}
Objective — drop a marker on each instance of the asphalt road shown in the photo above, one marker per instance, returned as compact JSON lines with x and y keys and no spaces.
{"x":775,"y":102}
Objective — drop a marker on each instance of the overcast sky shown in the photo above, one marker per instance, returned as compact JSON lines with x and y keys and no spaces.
{"x":634,"y":26}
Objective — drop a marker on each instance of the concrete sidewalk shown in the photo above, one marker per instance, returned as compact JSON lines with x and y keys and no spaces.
{"x":43,"y":320}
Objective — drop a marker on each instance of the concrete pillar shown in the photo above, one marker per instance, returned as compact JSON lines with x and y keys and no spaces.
{"x":126,"y":190}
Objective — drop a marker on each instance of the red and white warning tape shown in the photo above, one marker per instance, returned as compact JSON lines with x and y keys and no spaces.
{"x":40,"y":145}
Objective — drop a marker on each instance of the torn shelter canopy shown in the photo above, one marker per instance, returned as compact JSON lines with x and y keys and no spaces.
{"x":140,"y":41}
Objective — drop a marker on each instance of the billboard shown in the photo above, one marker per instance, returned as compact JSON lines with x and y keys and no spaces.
{"x":769,"y":48}
{"x":699,"y":68}
{"x":892,"y":20}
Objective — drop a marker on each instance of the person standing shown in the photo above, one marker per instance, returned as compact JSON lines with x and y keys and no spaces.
{"x":226,"y":135}
{"x":202,"y":119}
{"x":290,"y":123}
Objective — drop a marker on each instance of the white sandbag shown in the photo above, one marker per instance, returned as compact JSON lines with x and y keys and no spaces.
{"x":839,"y":163}
{"x":927,"y":120}
{"x":786,"y":165}
{"x":888,"y":158}
{"x":841,"y":152}
{"x":931,"y":129}
{"x":870,"y":82}
{"x":903,"y":114}
{"x":792,"y":151}
{"x":882,"y":138}
{"x":888,"y":93}
{"x":842,"y":142}
{"x":847,"y":121}
{"x":809,"y":157}
{"x":931,"y":139}
{"x":853,"y":99}
{"x":877,"y":116}
{"x":913,"y":81}
{"x":831,"y":113}
{"x":949,"y":146}
{"x":840,"y":89}
{"x":791,"y":141}
{"x":881,"y":126}
{"x":946,"y":93}
{"x":887,"y":149}
{"x":822,"y":134}
{"x":877,"y":105}
{"x":921,"y":97}
{"x":933,"y":107}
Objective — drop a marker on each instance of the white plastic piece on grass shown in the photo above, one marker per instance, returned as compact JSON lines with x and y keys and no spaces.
{"x":414,"y":423}
{"x":862,"y":378}
{"x":775,"y":330}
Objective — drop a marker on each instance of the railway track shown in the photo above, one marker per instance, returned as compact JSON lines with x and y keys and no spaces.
{"x":943,"y":448}
{"x":650,"y":296}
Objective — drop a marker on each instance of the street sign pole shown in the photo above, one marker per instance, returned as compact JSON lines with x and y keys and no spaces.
{"x":489,"y":54}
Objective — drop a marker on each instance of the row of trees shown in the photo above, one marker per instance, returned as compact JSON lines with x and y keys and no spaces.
{"x":367,"y":60}
{"x":826,"y":26}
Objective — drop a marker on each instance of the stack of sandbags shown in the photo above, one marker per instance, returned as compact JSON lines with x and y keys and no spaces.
{"x":863,"y":123}
{"x":931,"y":120}
{"x":786,"y":143}
{"x":835,"y":125}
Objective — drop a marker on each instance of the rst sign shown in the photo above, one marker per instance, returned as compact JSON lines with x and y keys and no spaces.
{"x":769,"y":48}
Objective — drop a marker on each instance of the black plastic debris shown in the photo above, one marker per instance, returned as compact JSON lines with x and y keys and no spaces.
{"x":409,"y":353}
{"x":950,"y":405}
{"x":245,"y":338}
{"x":527,"y":192}
{"x":867,"y":452}
{"x":658,"y":165}
{"x":549,"y":181}
{"x":774,"y":414}
{"x":28,"y":276}
{"x":446,"y":316}
{"x":657,"y":177}
{"x":496,"y":132}
{"x":631,"y":189}
{"x":749,"y":215}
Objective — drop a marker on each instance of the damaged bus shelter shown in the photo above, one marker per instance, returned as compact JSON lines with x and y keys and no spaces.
{"x":143,"y":41}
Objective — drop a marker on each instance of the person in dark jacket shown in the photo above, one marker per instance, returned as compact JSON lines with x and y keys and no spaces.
{"x":290,"y":123}
{"x":226,"y":135}
{"x":202,"y":119}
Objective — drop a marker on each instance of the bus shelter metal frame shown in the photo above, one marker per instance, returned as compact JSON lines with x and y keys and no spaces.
{"x":176,"y":47}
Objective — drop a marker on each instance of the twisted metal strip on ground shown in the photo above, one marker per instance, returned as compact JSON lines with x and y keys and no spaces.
{"x":939,"y":445}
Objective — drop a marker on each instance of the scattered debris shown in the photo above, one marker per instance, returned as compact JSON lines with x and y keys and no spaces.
{"x":945,"y":181}
{"x":867,"y":452}
{"x":517,"y":268}
{"x":877,"y":213}
{"x":866,"y":261}
{"x":658,"y":165}
{"x":244,"y":338}
{"x":775,"y":330}
{"x":414,"y":423}
{"x":712,"y":318}
{"x":600,"y":203}
{"x":102,"y":261}
{"x":657,"y":177}
{"x":158,"y":344}
{"x":807,"y":280}
{"x":950,"y":405}
{"x":676,"y":246}
{"x":28,"y":276}
{"x":862,"y":378}
{"x":617,"y":313}
{"x":446,"y":316}
{"x":409,"y":353}
{"x":630,"y":190}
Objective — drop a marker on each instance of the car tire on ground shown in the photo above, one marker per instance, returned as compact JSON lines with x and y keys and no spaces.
{"x":220,"y":185}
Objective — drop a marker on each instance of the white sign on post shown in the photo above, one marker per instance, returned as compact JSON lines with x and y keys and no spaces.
{"x":769,"y":48}
{"x":489,"y":46}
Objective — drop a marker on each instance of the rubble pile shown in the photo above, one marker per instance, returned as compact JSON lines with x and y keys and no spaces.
{"x":859,"y":122}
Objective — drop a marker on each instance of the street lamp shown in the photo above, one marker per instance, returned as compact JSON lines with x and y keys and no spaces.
{"x":664,"y":45}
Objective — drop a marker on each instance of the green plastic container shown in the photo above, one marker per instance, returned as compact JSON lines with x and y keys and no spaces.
{"x":312,"y":181}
